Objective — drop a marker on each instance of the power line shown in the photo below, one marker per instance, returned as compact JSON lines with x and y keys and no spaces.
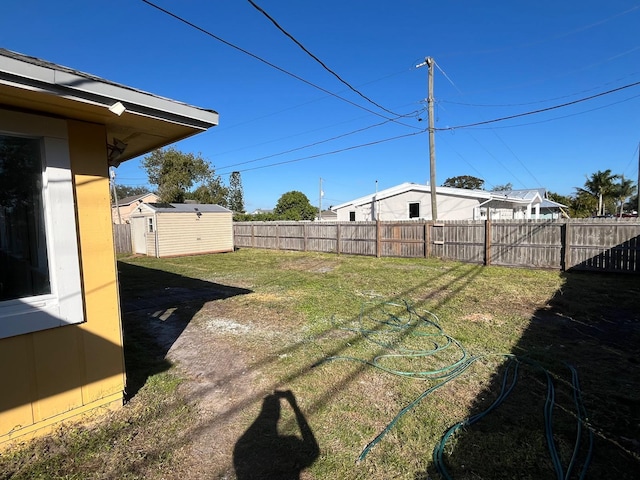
{"x":524,"y":165}
{"x":494,"y":105}
{"x":305,"y":50}
{"x":415,"y":112}
{"x":306,"y":146}
{"x":541,"y":110}
{"x":266,"y":62}
{"x":496,"y":159}
{"x":354,"y":147}
{"x":563,"y":116}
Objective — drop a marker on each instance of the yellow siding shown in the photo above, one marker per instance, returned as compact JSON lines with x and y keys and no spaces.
{"x":59,"y":373}
{"x":186,"y":233}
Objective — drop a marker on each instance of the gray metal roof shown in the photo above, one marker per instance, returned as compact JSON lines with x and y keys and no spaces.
{"x":186,"y":207}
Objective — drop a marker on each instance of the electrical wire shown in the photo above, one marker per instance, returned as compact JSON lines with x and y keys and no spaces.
{"x":262,"y":60}
{"x":541,"y":110}
{"x":306,"y":146}
{"x":535,"y":102}
{"x":333,"y":152}
{"x":562,"y":116}
{"x":324,"y":65}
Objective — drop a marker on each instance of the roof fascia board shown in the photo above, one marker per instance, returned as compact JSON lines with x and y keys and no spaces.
{"x":92,"y":90}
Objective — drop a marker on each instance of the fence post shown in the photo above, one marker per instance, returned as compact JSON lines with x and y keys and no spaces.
{"x":338,"y":239}
{"x":487,"y":241}
{"x":304,"y":233}
{"x":253,"y":236}
{"x":425,"y":237}
{"x":566,"y":245}
{"x":277,"y":236}
{"x":378,"y":238}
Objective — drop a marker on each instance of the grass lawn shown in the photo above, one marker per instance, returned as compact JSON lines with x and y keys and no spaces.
{"x":357,"y":340}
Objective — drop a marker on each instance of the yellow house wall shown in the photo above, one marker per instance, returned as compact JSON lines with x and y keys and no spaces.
{"x":56,"y":374}
{"x":186,"y":233}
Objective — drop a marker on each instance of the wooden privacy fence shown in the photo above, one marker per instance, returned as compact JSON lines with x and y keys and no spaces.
{"x":122,"y":237}
{"x":581,"y":244}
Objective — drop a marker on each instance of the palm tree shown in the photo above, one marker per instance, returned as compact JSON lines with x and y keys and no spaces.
{"x":600,"y":185}
{"x":623,"y":191}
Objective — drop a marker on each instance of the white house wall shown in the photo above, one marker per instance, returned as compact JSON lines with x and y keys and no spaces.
{"x":450,"y":207}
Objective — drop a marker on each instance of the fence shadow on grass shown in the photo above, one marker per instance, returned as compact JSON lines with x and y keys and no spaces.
{"x":156,"y":308}
{"x":592,"y":323}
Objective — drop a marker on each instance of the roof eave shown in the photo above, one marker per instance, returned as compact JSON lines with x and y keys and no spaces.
{"x":63,"y":92}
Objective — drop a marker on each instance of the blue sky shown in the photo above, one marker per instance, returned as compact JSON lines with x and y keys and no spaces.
{"x":494,"y":59}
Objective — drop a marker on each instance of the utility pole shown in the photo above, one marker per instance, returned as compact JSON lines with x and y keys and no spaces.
{"x":429,"y":62}
{"x":112,"y":174}
{"x":638,"y":184}
{"x":320,"y":201}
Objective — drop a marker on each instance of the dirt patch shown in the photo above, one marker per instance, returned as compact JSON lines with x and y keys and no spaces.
{"x":218,"y":355}
{"x":220,"y":383}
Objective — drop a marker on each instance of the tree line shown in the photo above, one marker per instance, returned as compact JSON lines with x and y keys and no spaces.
{"x":180,"y":176}
{"x":604,"y":193}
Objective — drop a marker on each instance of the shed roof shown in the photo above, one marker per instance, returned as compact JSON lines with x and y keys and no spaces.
{"x":134,"y":198}
{"x":184,"y":207}
{"x":147,"y":122}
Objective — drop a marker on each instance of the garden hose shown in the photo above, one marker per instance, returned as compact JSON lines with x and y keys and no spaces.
{"x":409,"y":323}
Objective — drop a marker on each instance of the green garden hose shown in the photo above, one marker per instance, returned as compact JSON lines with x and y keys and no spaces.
{"x":404,"y":321}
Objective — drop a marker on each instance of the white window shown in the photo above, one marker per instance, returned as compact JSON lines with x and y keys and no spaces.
{"x":39,"y":266}
{"x":150,"y":225}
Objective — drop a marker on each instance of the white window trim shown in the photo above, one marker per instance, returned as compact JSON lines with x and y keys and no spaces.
{"x":63,"y":306}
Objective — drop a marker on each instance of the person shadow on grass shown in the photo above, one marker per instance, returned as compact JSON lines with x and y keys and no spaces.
{"x":261,"y":453}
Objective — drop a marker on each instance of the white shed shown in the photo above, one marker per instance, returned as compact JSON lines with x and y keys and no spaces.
{"x":175,"y":229}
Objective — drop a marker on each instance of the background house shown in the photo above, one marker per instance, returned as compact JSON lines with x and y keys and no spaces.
{"x":534,"y":204}
{"x":60,"y":332}
{"x":413,"y":201}
{"x":172,"y":229}
{"x":328,"y":216}
{"x":121,"y":212}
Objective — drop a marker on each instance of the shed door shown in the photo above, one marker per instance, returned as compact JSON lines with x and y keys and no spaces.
{"x":138,"y":235}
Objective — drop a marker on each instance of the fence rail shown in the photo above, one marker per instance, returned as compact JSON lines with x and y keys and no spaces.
{"x":581,"y":244}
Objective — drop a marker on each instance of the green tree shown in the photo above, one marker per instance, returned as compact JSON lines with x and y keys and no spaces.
{"x":124,"y":191}
{"x":503,"y":188}
{"x":295,"y":205}
{"x":464,"y":181}
{"x":563,"y":199}
{"x":175,"y":172}
{"x":601,"y":186}
{"x":583,"y":204}
{"x":236,"y":195}
{"x":212,"y":191}
{"x":623,"y":191}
